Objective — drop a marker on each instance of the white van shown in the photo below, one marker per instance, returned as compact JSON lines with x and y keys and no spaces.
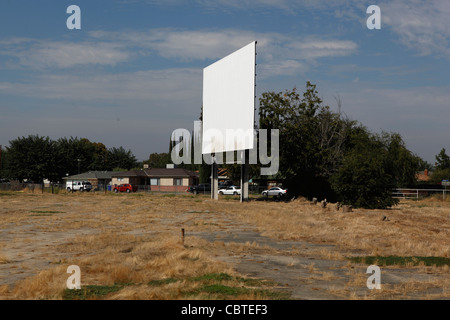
{"x":78,"y":186}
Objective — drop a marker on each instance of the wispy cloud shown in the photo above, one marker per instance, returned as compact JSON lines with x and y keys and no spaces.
{"x":277,"y":53}
{"x":169,"y":85}
{"x":41,"y":54}
{"x":206,"y":44}
{"x":420,"y":25}
{"x":290,"y":6}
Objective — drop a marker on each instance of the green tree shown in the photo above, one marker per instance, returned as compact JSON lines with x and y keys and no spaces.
{"x":442,"y":170}
{"x":99,"y":158}
{"x":159,"y":160}
{"x":312,"y":139}
{"x":401,"y":163}
{"x":325,"y":155}
{"x":423,"y":164}
{"x":439,"y":175}
{"x":364,"y":178}
{"x":120,"y":158}
{"x":32,"y":158}
{"x":442,"y":160}
{"x":4,"y":163}
{"x":78,"y":155}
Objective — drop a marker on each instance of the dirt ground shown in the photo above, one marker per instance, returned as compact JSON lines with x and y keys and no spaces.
{"x":302,"y":248}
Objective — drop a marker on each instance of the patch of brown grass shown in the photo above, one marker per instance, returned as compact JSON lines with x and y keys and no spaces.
{"x":3,"y":259}
{"x":409,"y":231}
{"x":134,"y":240}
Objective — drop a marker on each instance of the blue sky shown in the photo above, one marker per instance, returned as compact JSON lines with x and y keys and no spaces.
{"x":133,"y":73}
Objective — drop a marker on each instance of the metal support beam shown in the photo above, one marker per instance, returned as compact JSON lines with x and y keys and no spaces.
{"x":244,"y":175}
{"x":214,"y":179}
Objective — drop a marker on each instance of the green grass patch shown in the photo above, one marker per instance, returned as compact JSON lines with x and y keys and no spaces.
{"x":43,"y":213}
{"x":207,"y":286}
{"x":91,"y":292}
{"x":225,"y":286}
{"x":401,"y":261}
{"x":213,"y":277}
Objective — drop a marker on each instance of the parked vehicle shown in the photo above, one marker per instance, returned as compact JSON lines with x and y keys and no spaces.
{"x":203,"y":187}
{"x":230,"y":190}
{"x":125,"y":188}
{"x":78,"y":186}
{"x":225,"y":184}
{"x":274,"y":191}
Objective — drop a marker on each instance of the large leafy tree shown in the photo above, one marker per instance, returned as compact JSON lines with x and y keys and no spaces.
{"x":36,"y":158}
{"x":77,"y":155}
{"x":442,"y":160}
{"x":442,"y":171}
{"x":32,"y":158}
{"x":312,"y":138}
{"x":325,"y":155}
{"x":372,"y":167}
{"x":401,"y":163}
{"x":121,"y":158}
{"x":363,"y":179}
{"x":159,"y":160}
{"x":3,"y":163}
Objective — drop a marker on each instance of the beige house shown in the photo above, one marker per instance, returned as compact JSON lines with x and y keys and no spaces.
{"x":134,"y":177}
{"x":158,"y":179}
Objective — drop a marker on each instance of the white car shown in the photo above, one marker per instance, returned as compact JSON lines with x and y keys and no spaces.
{"x":78,"y":186}
{"x":275,"y":191}
{"x":230,"y":190}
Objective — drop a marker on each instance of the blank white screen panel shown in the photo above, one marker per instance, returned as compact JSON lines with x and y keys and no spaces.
{"x":229,"y":102}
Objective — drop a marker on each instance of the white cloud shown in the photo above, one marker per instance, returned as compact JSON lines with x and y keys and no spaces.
{"x":59,"y":54}
{"x":281,"y":68}
{"x":274,"y":49}
{"x":420,"y":25}
{"x":103,"y":48}
{"x":315,"y":49}
{"x":169,"y":85}
{"x":288,"y":6}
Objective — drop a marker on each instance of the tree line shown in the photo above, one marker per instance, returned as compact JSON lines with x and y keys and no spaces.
{"x":35,"y":158}
{"x":324,"y":154}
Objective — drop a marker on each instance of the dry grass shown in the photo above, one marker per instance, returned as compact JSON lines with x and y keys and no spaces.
{"x":3,"y":259}
{"x":411,"y":230}
{"x":134,"y":239}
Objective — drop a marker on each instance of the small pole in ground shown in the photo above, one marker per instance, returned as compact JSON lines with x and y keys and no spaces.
{"x":182,"y":236}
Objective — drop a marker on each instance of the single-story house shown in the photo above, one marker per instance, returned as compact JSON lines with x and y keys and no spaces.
{"x":423,"y":176}
{"x":158,"y":179}
{"x":98,"y":179}
{"x":134,"y":177}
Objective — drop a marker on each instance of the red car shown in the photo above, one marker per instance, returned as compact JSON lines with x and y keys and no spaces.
{"x":124,"y":188}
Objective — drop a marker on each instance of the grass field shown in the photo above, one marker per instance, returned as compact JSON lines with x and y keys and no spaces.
{"x":130,"y":246}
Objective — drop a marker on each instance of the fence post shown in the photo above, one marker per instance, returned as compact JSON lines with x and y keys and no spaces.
{"x":417,"y":194}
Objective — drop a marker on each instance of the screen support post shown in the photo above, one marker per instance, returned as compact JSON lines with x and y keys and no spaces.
{"x":244,"y":175}
{"x":214,"y":178}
